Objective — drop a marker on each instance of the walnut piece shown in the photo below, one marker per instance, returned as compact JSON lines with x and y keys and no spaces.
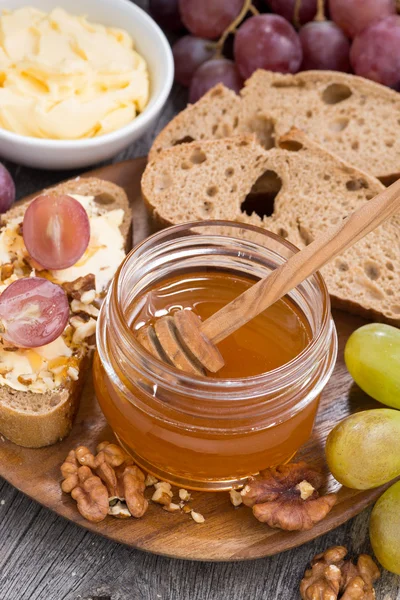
{"x":122,"y":482}
{"x":91,"y":496}
{"x":75,"y":289}
{"x":286,"y":497}
{"x":331,"y":577}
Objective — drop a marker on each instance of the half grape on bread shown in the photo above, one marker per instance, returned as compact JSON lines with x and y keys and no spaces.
{"x":297,"y":190}
{"x":37,"y":407}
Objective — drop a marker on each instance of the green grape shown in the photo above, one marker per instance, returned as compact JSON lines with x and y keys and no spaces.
{"x":372,"y":356}
{"x":384,"y":529}
{"x":363,"y":451}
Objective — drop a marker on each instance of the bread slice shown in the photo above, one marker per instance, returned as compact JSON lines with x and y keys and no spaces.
{"x":34,"y":419}
{"x":297,"y":190}
{"x":355,"y":118}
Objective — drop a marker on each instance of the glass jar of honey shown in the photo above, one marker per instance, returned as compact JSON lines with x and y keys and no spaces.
{"x":210,"y":433}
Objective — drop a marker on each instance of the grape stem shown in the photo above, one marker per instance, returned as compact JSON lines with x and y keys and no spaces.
{"x":247,"y":6}
{"x":296,"y":14}
{"x":320,"y":16}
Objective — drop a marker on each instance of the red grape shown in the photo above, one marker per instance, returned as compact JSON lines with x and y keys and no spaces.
{"x":267,"y":42}
{"x":218,"y":70}
{"x":285,"y":8}
{"x":209,"y":18}
{"x":375,"y":53}
{"x":7,"y":189}
{"x":189,"y":53}
{"x":324,"y":47}
{"x":33,"y":312}
{"x":166,"y":13}
{"x":353,"y":16}
{"x":56,"y":231}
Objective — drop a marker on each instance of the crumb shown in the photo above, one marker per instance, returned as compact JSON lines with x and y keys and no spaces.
{"x":197,"y":517}
{"x":2,"y":502}
{"x":184,"y":495}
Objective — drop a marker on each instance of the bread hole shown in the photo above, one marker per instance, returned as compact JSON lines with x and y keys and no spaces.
{"x":224,"y":111}
{"x":212,"y":191}
{"x":389,"y":292}
{"x":355,"y":145}
{"x":185,"y":165}
{"x":235,"y":122}
{"x":327,"y":177}
{"x":233,"y":188}
{"x":207,"y":208}
{"x":372,"y":270}
{"x":264,"y":128}
{"x":229,"y":172}
{"x":214,"y":129}
{"x":185,"y":140}
{"x":197,"y":157}
{"x":395,"y":308}
{"x":288,"y":84}
{"x":226,"y":130}
{"x":369,"y":196}
{"x":162,"y":182}
{"x":309,"y":114}
{"x":243,"y":143}
{"x":335,"y":93}
{"x":389,"y":143}
{"x":390,"y":265}
{"x":261,"y":199}
{"x":104,"y":199}
{"x":228,"y":147}
{"x":389,"y":179}
{"x":283,"y":233}
{"x":338,"y":124}
{"x":356,"y":184}
{"x":290,"y":145}
{"x":360,"y":121}
{"x":305,"y":234}
{"x":343,"y":266}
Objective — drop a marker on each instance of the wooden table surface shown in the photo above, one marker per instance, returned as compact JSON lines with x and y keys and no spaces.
{"x":44,"y":557}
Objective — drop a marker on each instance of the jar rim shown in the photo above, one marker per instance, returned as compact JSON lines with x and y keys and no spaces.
{"x":217,"y":385}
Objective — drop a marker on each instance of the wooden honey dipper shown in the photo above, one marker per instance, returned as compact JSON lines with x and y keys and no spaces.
{"x":184,"y":341}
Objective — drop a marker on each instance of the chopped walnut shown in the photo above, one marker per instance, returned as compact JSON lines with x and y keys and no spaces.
{"x":75,"y":289}
{"x":197,"y":517}
{"x":122,"y":481}
{"x":281,"y":498}
{"x":73,"y":373}
{"x":91,"y":496}
{"x":79,"y":307}
{"x":84,"y":331}
{"x":150,"y":480}
{"x":6,"y":271}
{"x":184,"y":495}
{"x":236,"y":497}
{"x":163,"y":493}
{"x":172,"y":508}
{"x":331,"y":577}
{"x":27,"y":379}
{"x":88,"y":297}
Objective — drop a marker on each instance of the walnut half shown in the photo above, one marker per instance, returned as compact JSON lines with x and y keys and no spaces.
{"x":286,"y":497}
{"x":111,"y":475}
{"x":331,"y":577}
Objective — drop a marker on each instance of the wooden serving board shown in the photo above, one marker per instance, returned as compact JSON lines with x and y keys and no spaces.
{"x":228,"y":534}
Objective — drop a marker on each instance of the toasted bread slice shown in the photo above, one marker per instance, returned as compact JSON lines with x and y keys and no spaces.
{"x":34,"y":419}
{"x":353,"y":117}
{"x":297,"y":190}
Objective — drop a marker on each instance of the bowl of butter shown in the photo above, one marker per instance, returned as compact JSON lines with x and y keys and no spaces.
{"x":80,"y":80}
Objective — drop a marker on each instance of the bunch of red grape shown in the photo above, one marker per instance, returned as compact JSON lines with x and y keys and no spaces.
{"x":287,"y":36}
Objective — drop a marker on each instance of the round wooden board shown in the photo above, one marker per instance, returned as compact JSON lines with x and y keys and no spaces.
{"x":228,"y":534}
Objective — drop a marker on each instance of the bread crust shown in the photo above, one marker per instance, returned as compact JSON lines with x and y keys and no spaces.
{"x":37,"y":429}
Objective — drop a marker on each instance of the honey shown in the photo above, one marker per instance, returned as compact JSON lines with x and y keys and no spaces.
{"x":267,"y":342}
{"x":258,"y":410}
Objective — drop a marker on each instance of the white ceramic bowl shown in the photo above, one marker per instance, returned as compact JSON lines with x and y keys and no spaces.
{"x":151,"y":44}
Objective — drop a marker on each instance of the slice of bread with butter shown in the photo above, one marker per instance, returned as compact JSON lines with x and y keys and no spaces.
{"x":40,"y":388}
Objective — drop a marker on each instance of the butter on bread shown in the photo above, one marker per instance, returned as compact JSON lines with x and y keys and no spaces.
{"x":41,"y":410}
{"x":353,"y":117}
{"x":299,"y":190}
